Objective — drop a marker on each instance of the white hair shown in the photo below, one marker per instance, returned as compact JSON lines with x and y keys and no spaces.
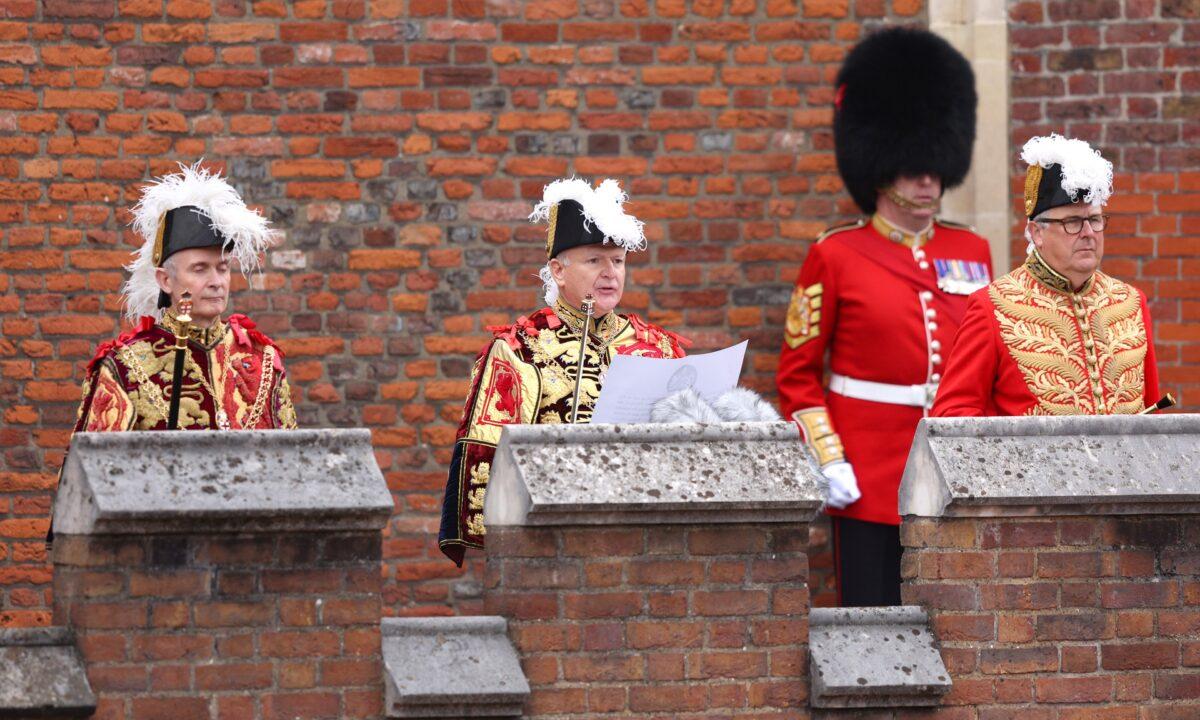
{"x":549,"y":286}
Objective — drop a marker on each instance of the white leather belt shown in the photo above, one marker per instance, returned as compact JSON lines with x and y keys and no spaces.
{"x":915,"y":395}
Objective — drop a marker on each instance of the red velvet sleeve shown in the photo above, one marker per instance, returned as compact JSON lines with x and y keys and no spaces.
{"x":812,"y":315}
{"x":970,"y":376}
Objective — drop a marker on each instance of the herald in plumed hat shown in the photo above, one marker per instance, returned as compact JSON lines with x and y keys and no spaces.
{"x":904,"y":105}
{"x":1063,"y":171}
{"x":577,"y":214}
{"x":189,"y":209}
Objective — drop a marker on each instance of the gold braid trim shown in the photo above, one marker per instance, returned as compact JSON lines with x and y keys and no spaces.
{"x":1033,"y":178}
{"x":264,"y":385}
{"x":819,"y":435}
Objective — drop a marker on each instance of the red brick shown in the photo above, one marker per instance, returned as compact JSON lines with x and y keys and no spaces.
{"x":175,"y":708}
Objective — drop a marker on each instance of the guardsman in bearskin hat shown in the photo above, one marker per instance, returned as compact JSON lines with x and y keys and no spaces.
{"x":878,"y":301}
{"x":548,"y":367}
{"x":1056,"y":336}
{"x":183,"y":365}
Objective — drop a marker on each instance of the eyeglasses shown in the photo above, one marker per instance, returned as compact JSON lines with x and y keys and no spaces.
{"x":1074,"y":225}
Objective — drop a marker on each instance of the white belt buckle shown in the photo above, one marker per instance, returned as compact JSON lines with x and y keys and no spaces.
{"x":930,"y":394}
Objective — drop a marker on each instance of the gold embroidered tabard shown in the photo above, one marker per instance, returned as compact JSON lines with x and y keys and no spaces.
{"x":1080,"y":352}
{"x":527,"y":376}
{"x":232,"y":379}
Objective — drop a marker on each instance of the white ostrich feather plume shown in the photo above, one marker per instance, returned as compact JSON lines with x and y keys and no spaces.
{"x":736,"y":405}
{"x":1084,"y":170}
{"x":249,"y":232}
{"x":601,"y":207}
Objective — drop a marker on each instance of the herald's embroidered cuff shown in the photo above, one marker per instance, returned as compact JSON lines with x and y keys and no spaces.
{"x":819,"y":435}
{"x":804,"y":315}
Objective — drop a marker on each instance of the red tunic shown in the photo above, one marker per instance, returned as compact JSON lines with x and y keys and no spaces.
{"x":882,"y":317}
{"x":1030,"y":346}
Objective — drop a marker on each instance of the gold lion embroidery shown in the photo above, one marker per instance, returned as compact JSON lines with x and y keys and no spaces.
{"x":804,"y":315}
{"x":1093,"y":365}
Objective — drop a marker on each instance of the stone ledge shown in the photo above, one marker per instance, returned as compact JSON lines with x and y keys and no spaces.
{"x":651,"y":474}
{"x":451,"y":667}
{"x":874,"y":657}
{"x":1009,"y":466}
{"x":42,"y":675}
{"x":211,"y":481}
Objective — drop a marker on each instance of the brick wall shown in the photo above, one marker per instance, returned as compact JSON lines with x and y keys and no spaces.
{"x":1124,"y":76}
{"x":225,"y":627}
{"x":400,"y":145}
{"x":656,"y":621}
{"x":1064,"y":618}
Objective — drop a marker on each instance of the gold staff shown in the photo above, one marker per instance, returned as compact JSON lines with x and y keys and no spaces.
{"x":589,"y":304}
{"x":183,"y":324}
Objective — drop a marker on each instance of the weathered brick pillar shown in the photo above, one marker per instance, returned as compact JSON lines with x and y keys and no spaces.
{"x":1060,"y":559}
{"x":654,"y":570}
{"x":224,"y":575}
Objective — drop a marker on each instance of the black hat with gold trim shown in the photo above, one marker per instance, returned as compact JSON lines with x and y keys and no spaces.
{"x":190,"y":209}
{"x":578,"y":214}
{"x":1063,"y":171}
{"x":904,"y":105}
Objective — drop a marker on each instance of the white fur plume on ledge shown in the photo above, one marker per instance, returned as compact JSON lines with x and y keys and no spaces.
{"x":737,"y":405}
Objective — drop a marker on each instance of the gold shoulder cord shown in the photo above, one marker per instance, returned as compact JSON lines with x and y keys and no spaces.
{"x":264,"y":384}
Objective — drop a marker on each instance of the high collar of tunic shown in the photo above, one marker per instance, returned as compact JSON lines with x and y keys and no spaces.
{"x":602,"y":327}
{"x":899,"y":235}
{"x":208,"y":337}
{"x":1053,"y":279}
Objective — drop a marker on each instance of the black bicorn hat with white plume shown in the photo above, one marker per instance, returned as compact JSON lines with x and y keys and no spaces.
{"x":193,"y":208}
{"x":1064,"y":171}
{"x":578,"y":214}
{"x":904,"y":105}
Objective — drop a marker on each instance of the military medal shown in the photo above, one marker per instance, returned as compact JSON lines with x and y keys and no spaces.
{"x":961,"y":277}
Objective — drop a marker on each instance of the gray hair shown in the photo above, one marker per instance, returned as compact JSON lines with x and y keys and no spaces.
{"x":1040,"y":219}
{"x":549,"y":287}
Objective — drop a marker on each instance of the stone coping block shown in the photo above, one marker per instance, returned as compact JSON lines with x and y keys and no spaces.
{"x":1006,"y":466}
{"x":213,"y":481}
{"x":42,"y":675}
{"x":874,"y":657}
{"x":451,"y":667}
{"x":678,"y":473}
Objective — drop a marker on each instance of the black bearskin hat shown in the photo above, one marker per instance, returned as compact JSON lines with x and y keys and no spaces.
{"x":905,"y":105}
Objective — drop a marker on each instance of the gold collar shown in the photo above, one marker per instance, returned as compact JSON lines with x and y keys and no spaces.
{"x":899,"y":235}
{"x":603,"y":328}
{"x":205,"y":336}
{"x":1052,"y":278}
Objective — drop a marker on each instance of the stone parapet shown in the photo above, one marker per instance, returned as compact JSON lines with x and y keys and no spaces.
{"x":651,"y":474}
{"x":451,"y":667}
{"x":42,"y":675}
{"x":1006,"y":466}
{"x":1059,"y":563}
{"x":212,"y":481}
{"x":656,"y":570}
{"x":257,"y":599}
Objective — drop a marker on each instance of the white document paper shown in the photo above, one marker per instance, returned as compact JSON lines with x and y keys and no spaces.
{"x":633,"y":384}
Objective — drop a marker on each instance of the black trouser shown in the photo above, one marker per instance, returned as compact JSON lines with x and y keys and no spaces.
{"x":866,"y":557}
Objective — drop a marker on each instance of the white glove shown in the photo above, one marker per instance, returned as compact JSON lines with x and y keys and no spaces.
{"x":843,"y":486}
